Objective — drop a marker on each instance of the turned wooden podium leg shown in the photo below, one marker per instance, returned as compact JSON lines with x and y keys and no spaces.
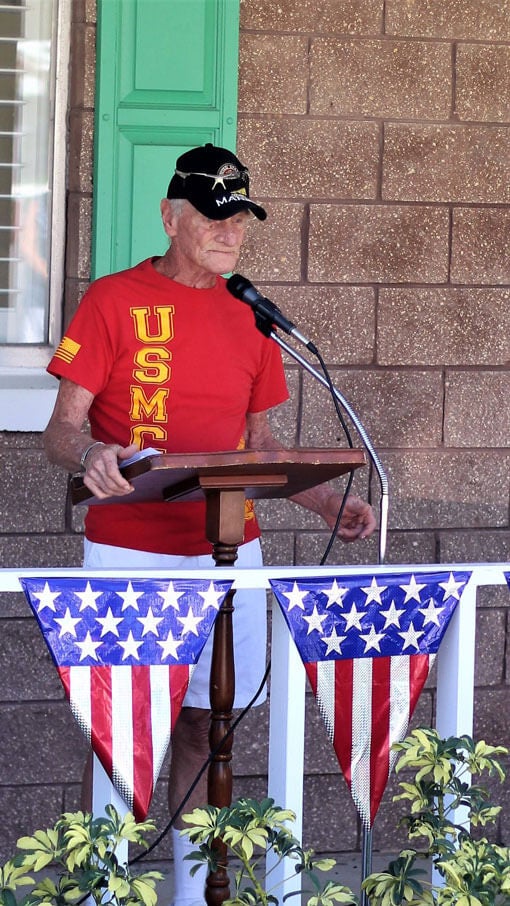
{"x":225,"y":529}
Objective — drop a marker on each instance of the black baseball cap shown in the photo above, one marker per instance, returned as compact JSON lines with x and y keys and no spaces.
{"x":215,"y":182}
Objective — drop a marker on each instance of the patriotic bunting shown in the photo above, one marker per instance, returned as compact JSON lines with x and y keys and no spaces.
{"x":125,"y":652}
{"x":368,"y":644}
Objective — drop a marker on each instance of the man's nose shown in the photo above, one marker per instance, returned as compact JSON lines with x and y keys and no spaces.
{"x":229,"y":233}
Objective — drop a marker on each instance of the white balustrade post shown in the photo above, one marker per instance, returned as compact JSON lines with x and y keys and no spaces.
{"x":103,"y":794}
{"x":286,"y":740}
{"x":455,"y":684}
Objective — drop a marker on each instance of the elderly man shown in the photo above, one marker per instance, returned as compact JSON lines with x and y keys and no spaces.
{"x":162,"y":355}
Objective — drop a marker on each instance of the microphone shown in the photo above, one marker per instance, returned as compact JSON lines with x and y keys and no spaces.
{"x":266,"y":312}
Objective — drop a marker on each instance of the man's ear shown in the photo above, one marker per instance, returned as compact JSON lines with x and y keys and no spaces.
{"x":169,"y":217}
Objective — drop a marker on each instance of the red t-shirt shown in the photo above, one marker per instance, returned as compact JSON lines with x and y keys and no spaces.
{"x":170,"y":367}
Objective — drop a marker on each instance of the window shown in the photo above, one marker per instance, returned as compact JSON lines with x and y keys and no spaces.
{"x":34,"y":48}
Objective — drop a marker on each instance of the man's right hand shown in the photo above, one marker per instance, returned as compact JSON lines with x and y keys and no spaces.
{"x":102,"y":474}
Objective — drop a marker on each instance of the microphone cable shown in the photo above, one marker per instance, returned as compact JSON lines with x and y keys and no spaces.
{"x":265,"y":326}
{"x":347,"y":433}
{"x":268,"y":317}
{"x":202,"y":770}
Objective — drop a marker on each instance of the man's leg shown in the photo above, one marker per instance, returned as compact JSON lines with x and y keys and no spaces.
{"x":190,"y":750}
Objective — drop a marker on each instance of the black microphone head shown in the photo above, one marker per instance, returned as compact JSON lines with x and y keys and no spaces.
{"x":242,"y":289}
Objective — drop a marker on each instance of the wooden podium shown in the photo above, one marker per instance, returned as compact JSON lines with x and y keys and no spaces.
{"x":225,"y":481}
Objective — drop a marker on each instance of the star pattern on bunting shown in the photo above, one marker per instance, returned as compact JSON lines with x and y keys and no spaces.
{"x":315,"y":621}
{"x":335,"y":594}
{"x":130,"y":597}
{"x":67,"y":623}
{"x":109,"y":623}
{"x":46,"y":598}
{"x":88,"y":597}
{"x":412,"y":590}
{"x":333,"y":642}
{"x":295,"y":598}
{"x":369,"y":616}
{"x":392,"y":615}
{"x":170,"y":597}
{"x":121,"y":622}
{"x":431,"y":613}
{"x":452,"y":588}
{"x":211,"y":597}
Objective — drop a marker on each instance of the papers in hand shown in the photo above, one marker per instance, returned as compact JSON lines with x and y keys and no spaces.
{"x":140,"y":454}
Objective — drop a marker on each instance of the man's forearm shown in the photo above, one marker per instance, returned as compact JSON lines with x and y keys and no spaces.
{"x":314,"y":499}
{"x":65,"y":445}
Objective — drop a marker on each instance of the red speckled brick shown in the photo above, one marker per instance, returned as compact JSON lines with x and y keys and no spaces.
{"x":396,"y":79}
{"x":483,"y":82}
{"x":480,"y":19}
{"x":446,"y":163}
{"x":375,"y":243}
{"x":443,"y":326}
{"x":272,"y":55}
{"x":329,"y":16}
{"x":480,"y":245}
{"x":297,"y":157}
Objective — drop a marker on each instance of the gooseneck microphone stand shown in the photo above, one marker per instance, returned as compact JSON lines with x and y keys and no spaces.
{"x":265,"y":323}
{"x":367,"y":443}
{"x":267,"y":316}
{"x":366,"y":840}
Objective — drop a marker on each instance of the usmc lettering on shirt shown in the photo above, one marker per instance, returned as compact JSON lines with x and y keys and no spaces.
{"x":154,"y":328}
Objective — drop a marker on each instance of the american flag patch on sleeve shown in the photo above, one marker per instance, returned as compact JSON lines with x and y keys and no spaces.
{"x":67,"y":349}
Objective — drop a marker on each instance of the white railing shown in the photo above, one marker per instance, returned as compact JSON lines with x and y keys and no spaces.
{"x":455,"y":675}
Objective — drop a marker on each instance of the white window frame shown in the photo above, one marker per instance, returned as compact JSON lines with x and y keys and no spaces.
{"x":27,"y":392}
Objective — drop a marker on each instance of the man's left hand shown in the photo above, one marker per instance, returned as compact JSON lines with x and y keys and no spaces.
{"x":358,"y":519}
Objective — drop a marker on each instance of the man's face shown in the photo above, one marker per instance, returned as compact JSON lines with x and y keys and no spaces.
{"x":203,"y":245}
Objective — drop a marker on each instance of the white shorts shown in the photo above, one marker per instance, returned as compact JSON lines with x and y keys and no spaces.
{"x":249,"y":617}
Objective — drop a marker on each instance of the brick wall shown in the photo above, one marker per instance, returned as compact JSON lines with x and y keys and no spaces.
{"x":378,"y":139}
{"x":378,"y":135}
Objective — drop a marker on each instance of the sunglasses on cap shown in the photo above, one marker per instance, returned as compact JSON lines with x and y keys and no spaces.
{"x":242,"y":175}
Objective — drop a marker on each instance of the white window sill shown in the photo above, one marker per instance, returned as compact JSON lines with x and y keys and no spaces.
{"x":27,"y":397}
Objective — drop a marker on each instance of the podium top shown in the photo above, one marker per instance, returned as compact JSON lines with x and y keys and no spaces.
{"x":262,"y":473}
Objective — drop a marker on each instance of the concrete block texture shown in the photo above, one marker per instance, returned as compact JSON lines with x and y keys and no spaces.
{"x":443,"y":326}
{"x":81,"y":147}
{"x":83,"y":51}
{"x":340,"y":831}
{"x":480,"y":243}
{"x":40,"y":550}
{"x":397,"y":407}
{"x":481,"y":19}
{"x":330,"y":16}
{"x":339,"y":320}
{"x":74,"y":291}
{"x":476,"y":409}
{"x":377,"y":244}
{"x":79,"y":208}
{"x":395,"y":79}
{"x":30,"y":485}
{"x":270,"y":54}
{"x":41,"y":744}
{"x":32,"y":674}
{"x":402,"y":547}
{"x":272,"y":250}
{"x":477,"y":547}
{"x":29,"y":807}
{"x":492,"y":715}
{"x":294,"y":157}
{"x":482,"y":90}
{"x":448,"y":489}
{"x":445,"y":163}
{"x":490,"y":659}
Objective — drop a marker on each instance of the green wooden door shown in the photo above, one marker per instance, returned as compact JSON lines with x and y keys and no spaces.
{"x":166,"y":81}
